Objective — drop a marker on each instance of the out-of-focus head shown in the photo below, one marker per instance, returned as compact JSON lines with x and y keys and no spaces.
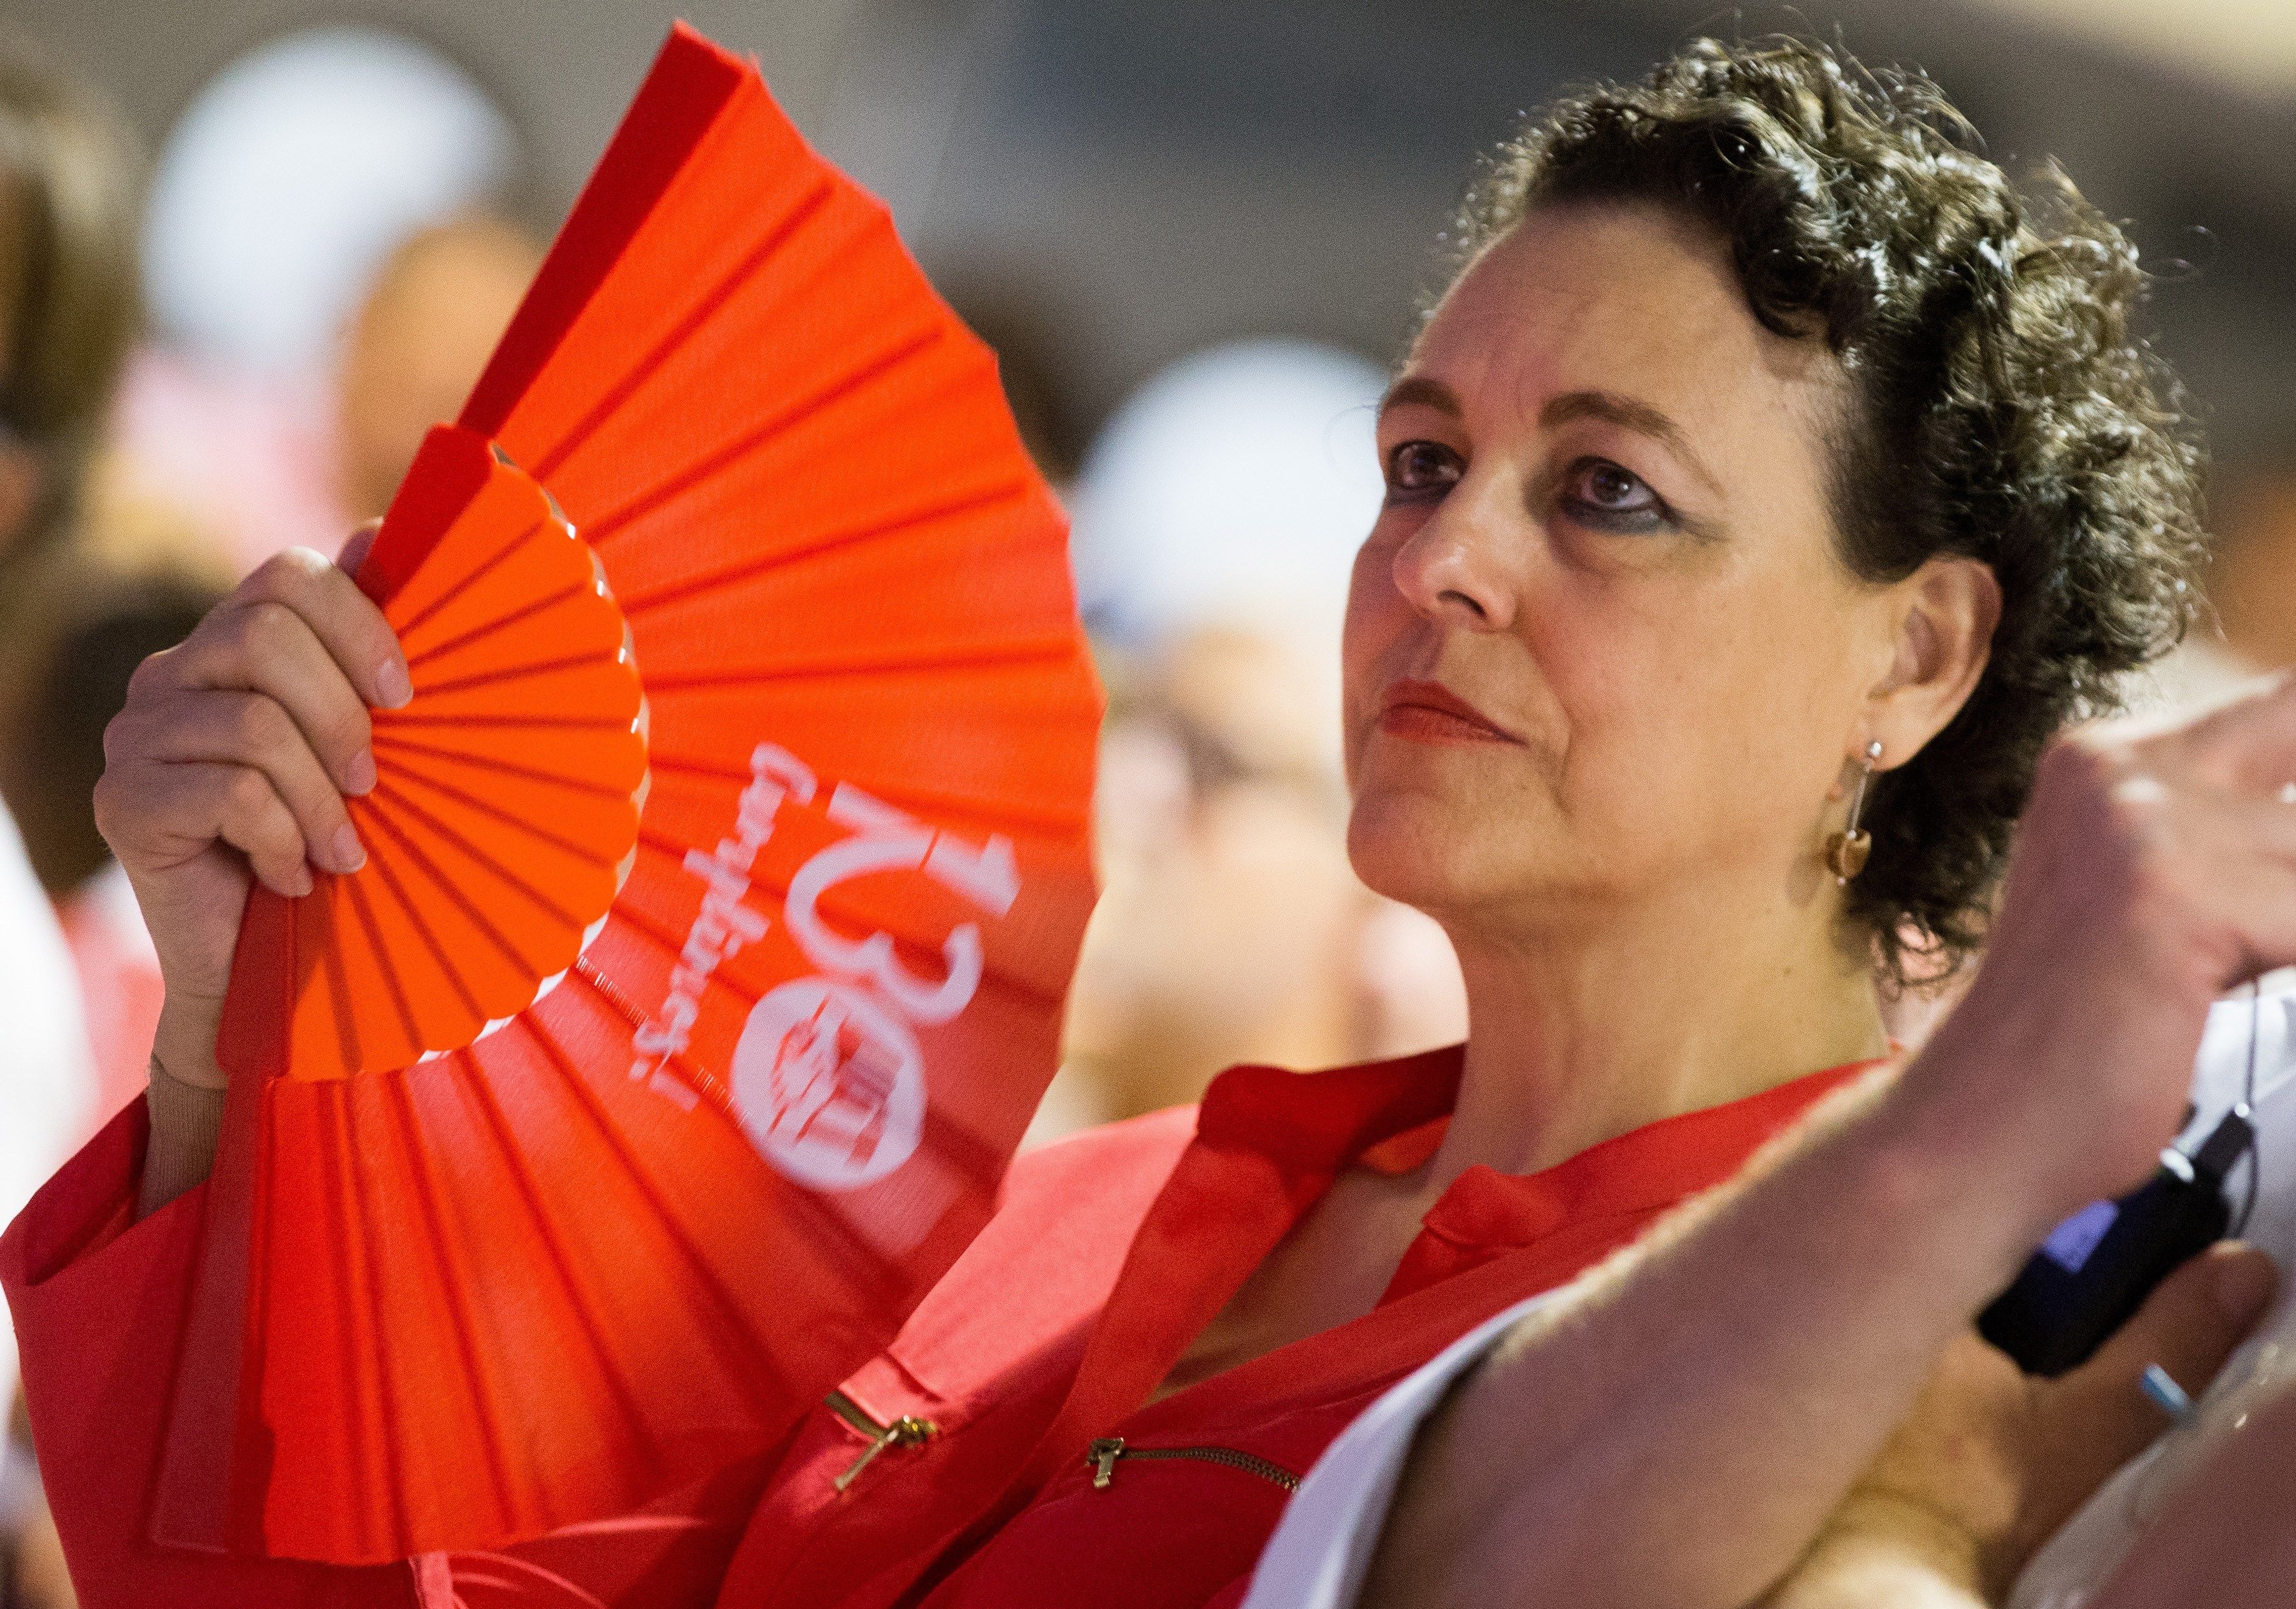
{"x":1214,"y":518}
{"x":418,"y":342}
{"x":294,"y":173}
{"x":1228,"y":492}
{"x":70,"y":308}
{"x":1764,"y":421}
{"x":2252,"y":574}
{"x":98,"y":622}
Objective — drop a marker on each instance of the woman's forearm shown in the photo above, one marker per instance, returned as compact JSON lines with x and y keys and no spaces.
{"x":1676,"y":1431}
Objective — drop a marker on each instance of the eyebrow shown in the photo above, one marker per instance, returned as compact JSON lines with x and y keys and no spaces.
{"x":1423,"y":391}
{"x":1628,"y":413}
{"x":1625,"y":412}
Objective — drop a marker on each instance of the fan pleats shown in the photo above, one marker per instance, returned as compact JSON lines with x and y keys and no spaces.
{"x":725,"y":874}
{"x":620,"y":394}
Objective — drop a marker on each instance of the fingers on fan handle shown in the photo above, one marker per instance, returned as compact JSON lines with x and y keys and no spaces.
{"x":269,"y":648}
{"x":355,"y":547}
{"x":347,"y":622}
{"x":254,"y":734}
{"x":2196,"y":1319}
{"x":239,"y":806}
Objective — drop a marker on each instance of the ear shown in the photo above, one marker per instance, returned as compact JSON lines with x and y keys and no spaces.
{"x":20,"y":491}
{"x":1947,"y":612}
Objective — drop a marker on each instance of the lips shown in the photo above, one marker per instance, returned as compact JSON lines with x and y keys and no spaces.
{"x":1431,"y":712}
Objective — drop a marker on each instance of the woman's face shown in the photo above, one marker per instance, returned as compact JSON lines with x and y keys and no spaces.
{"x":1599,"y":642}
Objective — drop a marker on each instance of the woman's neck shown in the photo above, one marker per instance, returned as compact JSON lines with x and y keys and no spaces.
{"x":1581,"y":1032}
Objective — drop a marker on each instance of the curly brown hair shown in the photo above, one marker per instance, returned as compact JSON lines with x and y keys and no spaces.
{"x":2001,"y":407}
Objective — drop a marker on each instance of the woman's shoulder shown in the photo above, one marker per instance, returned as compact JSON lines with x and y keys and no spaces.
{"x":1045,"y":1263}
{"x":1068,"y":1213}
{"x":1112,"y":1160}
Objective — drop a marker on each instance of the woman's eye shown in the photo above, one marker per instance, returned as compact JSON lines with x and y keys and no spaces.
{"x":1418,"y":466}
{"x":1599,"y":493}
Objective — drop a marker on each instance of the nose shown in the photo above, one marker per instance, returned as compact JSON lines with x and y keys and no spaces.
{"x":1457,"y":568}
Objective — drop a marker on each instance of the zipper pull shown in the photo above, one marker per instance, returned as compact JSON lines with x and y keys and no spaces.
{"x":904,"y":1432}
{"x":1102,"y":1455}
{"x":884,"y":1439}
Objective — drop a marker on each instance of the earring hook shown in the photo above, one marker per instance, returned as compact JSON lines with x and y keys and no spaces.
{"x":1846,"y":851}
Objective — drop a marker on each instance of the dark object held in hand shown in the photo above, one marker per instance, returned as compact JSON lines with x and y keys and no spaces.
{"x":2097,"y":1268}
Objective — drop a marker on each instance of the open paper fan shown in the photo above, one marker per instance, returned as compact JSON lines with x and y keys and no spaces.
{"x":507,"y":799}
{"x":657,"y":1063}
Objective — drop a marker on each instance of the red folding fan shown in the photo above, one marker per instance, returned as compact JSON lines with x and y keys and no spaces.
{"x":724,"y":877}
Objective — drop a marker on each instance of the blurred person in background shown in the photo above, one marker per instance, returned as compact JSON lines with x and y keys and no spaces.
{"x":69,"y":314}
{"x":2253,"y":580}
{"x":68,"y":295}
{"x":101,"y":566}
{"x":324,"y":255}
{"x":418,"y":331}
{"x":136,"y":573}
{"x":1214,"y":518}
{"x":100,"y":622}
{"x":423,"y":333}
{"x":1231,"y":929}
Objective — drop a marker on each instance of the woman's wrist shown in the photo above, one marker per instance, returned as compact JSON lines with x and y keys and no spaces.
{"x":186,"y":1127}
{"x":183,"y":1043}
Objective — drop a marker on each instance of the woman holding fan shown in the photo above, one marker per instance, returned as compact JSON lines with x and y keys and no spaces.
{"x":1765,"y":494}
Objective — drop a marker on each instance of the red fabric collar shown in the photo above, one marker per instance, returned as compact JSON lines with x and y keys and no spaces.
{"x":1390,"y":1117}
{"x":1322,"y":1122}
{"x":1646,"y":1171}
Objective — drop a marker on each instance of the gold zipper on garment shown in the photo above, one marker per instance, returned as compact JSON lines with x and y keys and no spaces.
{"x":904,"y":1431}
{"x":1102,"y":1456}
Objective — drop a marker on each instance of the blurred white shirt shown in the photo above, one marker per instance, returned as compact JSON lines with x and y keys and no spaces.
{"x":47,"y":1085}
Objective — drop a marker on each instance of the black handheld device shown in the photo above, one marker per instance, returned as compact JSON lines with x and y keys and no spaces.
{"x":2097,"y":1268}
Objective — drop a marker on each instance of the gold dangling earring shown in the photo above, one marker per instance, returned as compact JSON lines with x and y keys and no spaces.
{"x":1846,"y":850}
